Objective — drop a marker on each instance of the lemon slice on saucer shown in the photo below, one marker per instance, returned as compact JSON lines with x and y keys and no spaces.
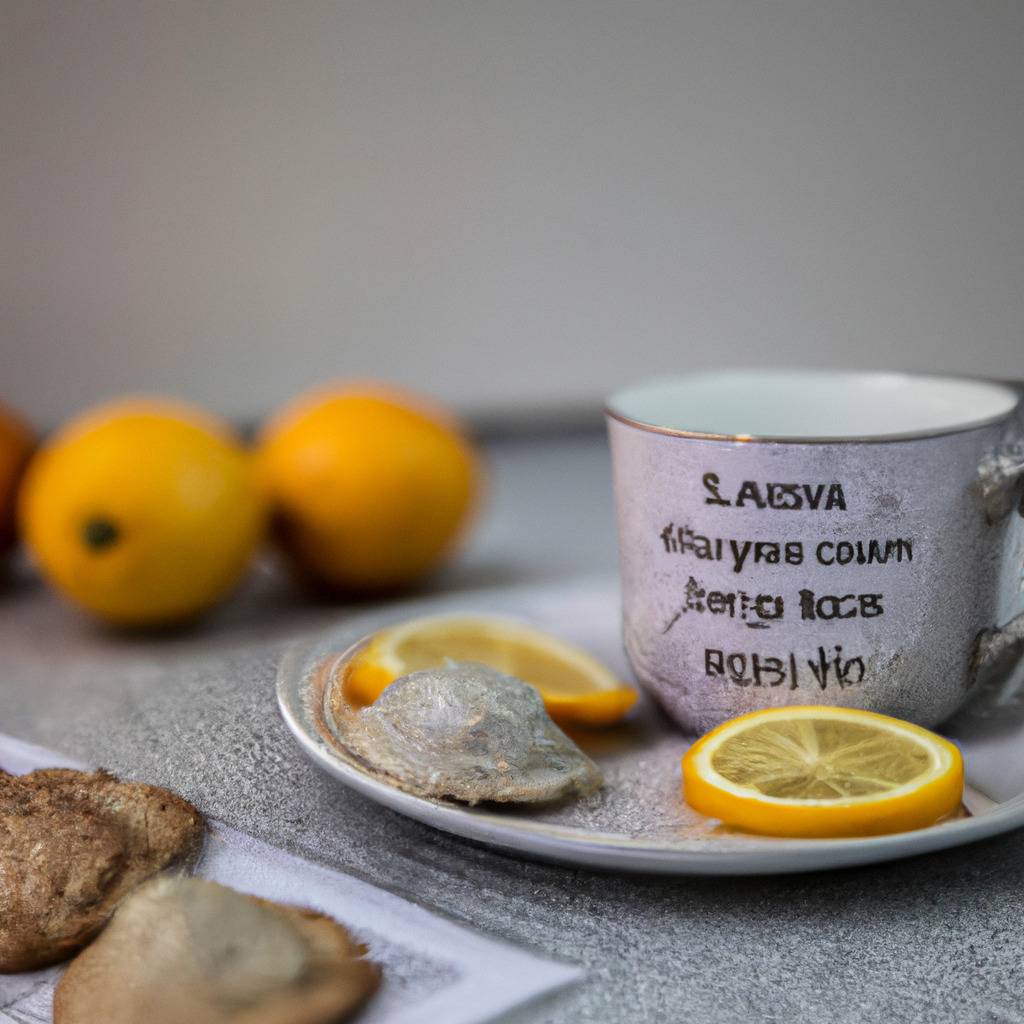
{"x":821,"y":771}
{"x":577,"y":689}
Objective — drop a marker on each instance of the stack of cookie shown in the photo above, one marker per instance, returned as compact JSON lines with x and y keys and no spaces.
{"x":93,"y":866}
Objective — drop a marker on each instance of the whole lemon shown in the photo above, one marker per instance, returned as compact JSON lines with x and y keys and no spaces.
{"x":369,"y":488}
{"x":144,"y":511}
{"x":16,"y":443}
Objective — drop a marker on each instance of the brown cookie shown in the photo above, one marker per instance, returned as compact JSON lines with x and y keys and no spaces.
{"x":72,"y":846}
{"x":188,"y":951}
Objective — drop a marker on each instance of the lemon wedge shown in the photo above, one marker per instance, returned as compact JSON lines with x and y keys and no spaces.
{"x":576,"y":688}
{"x":822,"y":771}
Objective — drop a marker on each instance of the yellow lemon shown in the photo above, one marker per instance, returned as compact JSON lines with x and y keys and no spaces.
{"x":577,"y":689}
{"x":142,"y":511}
{"x":370,"y":489}
{"x":821,"y":771}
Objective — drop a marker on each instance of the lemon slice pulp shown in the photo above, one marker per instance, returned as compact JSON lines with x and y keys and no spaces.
{"x":819,"y":771}
{"x":577,"y":689}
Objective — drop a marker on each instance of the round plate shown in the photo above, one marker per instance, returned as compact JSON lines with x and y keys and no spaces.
{"x":638,"y":821}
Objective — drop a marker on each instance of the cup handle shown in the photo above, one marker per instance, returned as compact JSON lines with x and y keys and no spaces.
{"x":999,"y":653}
{"x":1001,"y":481}
{"x":998,"y":664}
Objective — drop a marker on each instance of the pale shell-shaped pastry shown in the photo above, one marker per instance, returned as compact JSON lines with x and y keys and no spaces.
{"x":468,"y":733}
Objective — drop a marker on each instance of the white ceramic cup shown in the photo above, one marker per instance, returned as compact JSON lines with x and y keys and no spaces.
{"x":818,"y":538}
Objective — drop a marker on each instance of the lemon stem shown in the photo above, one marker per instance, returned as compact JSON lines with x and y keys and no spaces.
{"x":99,"y":533}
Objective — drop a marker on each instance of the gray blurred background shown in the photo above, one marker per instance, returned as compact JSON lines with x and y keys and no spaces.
{"x":513,"y":205}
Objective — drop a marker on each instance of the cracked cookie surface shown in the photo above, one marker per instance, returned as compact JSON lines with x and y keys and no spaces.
{"x":72,"y":845}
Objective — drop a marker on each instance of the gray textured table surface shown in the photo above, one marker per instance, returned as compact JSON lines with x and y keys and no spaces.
{"x":933,"y":939}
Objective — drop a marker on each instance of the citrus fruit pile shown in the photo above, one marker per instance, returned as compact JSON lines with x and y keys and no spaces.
{"x":147,"y":512}
{"x":821,"y":772}
{"x":576,"y":688}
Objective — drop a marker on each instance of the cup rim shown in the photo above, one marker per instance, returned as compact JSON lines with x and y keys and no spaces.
{"x":997,"y":386}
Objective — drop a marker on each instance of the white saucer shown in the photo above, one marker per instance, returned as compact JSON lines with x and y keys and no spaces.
{"x":639,"y":821}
